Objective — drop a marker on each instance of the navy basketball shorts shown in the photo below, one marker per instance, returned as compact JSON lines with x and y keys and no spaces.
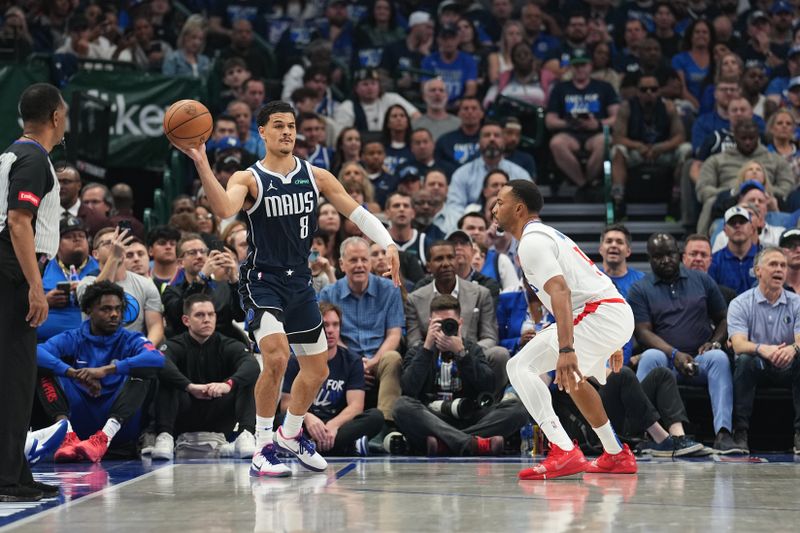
{"x":284,"y":302}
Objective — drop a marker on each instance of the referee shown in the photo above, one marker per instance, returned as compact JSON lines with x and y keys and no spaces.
{"x":29,"y":213}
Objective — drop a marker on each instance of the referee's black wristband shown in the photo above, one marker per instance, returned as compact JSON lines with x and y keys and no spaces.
{"x":566,"y":349}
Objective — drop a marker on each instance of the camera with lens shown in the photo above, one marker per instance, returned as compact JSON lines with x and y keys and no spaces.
{"x":449,"y":327}
{"x":460,"y":408}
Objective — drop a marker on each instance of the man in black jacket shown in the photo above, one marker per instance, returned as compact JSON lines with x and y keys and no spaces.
{"x":214,"y":274}
{"x":209,"y":386}
{"x":446,"y":383}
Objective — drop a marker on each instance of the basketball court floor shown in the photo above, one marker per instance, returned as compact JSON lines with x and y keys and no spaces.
{"x":414,"y":494}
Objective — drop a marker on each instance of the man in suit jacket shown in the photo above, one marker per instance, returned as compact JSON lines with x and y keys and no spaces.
{"x":477,"y":310}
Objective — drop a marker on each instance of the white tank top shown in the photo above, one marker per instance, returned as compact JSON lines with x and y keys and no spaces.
{"x":544,"y":252}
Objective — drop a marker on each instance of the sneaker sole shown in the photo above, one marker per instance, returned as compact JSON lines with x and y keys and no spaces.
{"x":575,"y":471}
{"x":679,"y":452}
{"x":258,"y":473}
{"x":599,"y":471}
{"x":11,"y":499}
{"x":303,"y":463}
{"x":732,"y":451}
{"x":162,"y":457}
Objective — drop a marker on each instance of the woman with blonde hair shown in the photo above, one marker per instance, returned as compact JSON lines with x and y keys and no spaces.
{"x":500,"y":61}
{"x":188,"y":59}
{"x":235,"y":236}
{"x":781,"y":138}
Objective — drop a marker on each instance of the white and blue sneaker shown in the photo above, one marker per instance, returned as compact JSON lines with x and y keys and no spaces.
{"x":45,"y":441}
{"x":266,"y":463}
{"x":302,"y":448}
{"x":362,"y":446}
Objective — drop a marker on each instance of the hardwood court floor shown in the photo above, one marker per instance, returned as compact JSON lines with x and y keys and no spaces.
{"x":414,"y":494}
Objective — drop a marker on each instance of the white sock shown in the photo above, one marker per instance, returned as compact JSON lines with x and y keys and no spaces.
{"x":111,"y":428}
{"x":555,"y":433}
{"x":69,"y":427}
{"x":608,"y":438}
{"x":292,"y":425}
{"x":264,"y":430}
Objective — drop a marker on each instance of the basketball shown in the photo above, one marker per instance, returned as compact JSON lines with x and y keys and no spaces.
{"x":188,"y":124}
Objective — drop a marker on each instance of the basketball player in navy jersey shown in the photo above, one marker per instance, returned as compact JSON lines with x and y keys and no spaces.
{"x":279,"y":196}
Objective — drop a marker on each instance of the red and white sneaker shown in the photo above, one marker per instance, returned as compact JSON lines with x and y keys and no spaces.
{"x":94,"y":448}
{"x":622,"y":463}
{"x":66,"y":452}
{"x":558,"y":463}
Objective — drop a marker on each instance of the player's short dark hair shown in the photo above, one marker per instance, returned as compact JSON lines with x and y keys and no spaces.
{"x":396,"y":193}
{"x":188,"y":236}
{"x":617,"y":227}
{"x":491,"y":122}
{"x":528,"y":193}
{"x":38,"y":103}
{"x":303,"y":93}
{"x":272,"y":108}
{"x":471,"y":214}
{"x":96,"y":291}
{"x":168,"y":233}
{"x":195,"y":299}
{"x":445,"y":302}
{"x":326,"y":307}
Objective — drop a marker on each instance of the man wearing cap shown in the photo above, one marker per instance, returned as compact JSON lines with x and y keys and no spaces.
{"x":790,"y":243}
{"x":71,"y":264}
{"x":733,"y":265}
{"x":576,"y":113}
{"x":719,"y":172}
{"x":764,"y":329}
{"x":778,"y":86}
{"x":369,"y":104}
{"x":679,"y":319}
{"x":782,"y":16}
{"x":467,"y":182}
{"x":758,"y":47}
{"x":436,"y":118}
{"x":406,"y":54}
{"x":476,"y":302}
{"x":752,"y":193}
{"x":458,"y":69}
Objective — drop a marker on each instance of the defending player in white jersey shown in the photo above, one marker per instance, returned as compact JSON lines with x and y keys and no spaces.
{"x":592,"y":321}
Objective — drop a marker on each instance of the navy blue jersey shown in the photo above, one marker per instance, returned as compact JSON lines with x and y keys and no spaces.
{"x":282,"y":220}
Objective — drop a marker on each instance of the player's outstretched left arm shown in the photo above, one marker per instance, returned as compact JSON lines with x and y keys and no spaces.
{"x":332,"y":190}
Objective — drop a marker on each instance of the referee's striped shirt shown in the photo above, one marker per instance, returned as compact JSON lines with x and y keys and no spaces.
{"x":28,"y":181}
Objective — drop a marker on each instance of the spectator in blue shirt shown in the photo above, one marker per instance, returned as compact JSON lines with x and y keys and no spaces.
{"x":779,"y":86}
{"x":733,"y":265}
{"x":694,"y":62}
{"x":337,"y":420}
{"x":764,"y":327}
{"x":71,"y":264}
{"x":461,"y":145}
{"x":458,"y":69}
{"x":466,"y":184}
{"x":373,"y":320}
{"x":88,"y":376}
{"x":679,"y":318}
{"x":615,"y":249}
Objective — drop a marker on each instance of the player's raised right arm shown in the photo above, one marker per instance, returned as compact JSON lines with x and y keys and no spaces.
{"x":223,"y":203}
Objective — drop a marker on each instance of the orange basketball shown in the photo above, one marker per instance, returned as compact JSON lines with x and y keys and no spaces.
{"x":188,"y":124}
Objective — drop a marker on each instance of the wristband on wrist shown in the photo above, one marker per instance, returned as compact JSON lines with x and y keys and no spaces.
{"x":229,"y":383}
{"x":202,"y":277}
{"x":757,"y":347}
{"x":672,"y":357}
{"x":566,"y":349}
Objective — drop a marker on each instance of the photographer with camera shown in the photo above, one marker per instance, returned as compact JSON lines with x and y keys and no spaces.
{"x":447,"y":384}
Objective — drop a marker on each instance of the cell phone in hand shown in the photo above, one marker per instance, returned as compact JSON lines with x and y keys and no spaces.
{"x":216,"y":245}
{"x":64,"y":286}
{"x":313,"y":256}
{"x":125,"y":225}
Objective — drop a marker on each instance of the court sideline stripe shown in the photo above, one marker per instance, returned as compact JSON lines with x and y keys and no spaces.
{"x":340,"y":474}
{"x":73,"y":503}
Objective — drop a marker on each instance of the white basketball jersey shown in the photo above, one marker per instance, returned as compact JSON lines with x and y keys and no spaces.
{"x":545,"y":252}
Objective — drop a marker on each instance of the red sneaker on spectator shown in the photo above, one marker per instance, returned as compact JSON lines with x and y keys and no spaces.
{"x":622,"y":463}
{"x":94,"y":448}
{"x":558,"y":463}
{"x":66,"y":452}
{"x":488,"y":445}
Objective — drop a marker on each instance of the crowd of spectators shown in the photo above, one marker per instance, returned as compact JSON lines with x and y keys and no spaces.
{"x":406,"y":103}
